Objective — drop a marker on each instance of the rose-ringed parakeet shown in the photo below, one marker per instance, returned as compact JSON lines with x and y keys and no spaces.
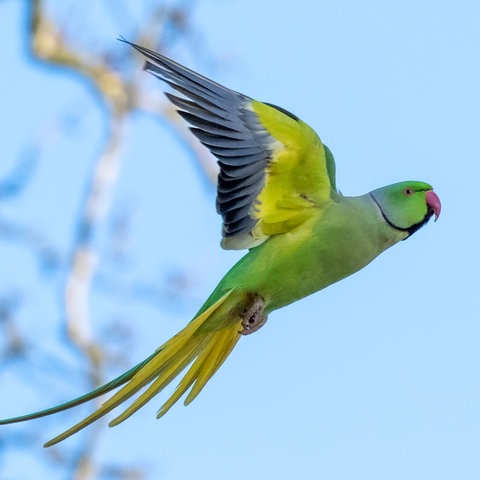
{"x":277,"y":197}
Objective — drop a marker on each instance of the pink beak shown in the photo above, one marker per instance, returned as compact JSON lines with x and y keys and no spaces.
{"x":433,"y":203}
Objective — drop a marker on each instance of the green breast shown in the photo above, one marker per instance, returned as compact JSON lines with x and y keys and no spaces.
{"x":322,"y":251}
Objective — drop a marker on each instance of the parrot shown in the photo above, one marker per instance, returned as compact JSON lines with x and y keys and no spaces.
{"x":278,"y":199}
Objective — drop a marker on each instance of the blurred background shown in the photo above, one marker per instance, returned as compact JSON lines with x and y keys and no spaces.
{"x":109,"y":240}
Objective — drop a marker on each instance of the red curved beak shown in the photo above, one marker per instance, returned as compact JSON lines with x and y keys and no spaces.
{"x":433,"y":203}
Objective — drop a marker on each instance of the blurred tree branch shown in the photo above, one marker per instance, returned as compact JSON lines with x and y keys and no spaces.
{"x":120,"y":93}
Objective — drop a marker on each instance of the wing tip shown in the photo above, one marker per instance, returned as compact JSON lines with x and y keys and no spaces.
{"x":241,"y":241}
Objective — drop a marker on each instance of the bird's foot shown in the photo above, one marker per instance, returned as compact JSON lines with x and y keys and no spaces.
{"x":253,"y":317}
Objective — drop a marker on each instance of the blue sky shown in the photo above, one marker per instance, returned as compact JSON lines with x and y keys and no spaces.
{"x":376,"y":377}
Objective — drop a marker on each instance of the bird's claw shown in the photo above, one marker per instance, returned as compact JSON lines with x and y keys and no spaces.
{"x":253,"y":317}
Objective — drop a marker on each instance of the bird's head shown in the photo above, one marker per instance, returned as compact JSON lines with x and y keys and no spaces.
{"x":407,"y":206}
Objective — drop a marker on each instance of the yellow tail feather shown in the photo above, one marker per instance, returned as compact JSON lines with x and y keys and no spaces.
{"x":206,"y":347}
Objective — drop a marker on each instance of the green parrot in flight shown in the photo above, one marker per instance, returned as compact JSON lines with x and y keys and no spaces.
{"x":277,"y":197}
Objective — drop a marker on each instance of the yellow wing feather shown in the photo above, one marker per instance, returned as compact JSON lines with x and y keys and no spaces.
{"x":296,"y":178}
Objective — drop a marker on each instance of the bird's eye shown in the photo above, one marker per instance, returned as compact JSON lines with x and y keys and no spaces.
{"x":408,"y":192}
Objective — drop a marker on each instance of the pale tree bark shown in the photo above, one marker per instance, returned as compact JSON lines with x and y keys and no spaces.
{"x":119,"y":93}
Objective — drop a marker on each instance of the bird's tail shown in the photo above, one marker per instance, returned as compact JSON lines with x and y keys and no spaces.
{"x":204,"y":343}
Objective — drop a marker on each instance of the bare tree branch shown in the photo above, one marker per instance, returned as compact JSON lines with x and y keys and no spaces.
{"x":119,"y":94}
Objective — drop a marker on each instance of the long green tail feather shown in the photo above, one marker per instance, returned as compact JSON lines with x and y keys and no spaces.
{"x":206,"y":347}
{"x":98,"y":392}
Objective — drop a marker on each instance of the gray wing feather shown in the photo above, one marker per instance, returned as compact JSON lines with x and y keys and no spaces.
{"x":221,"y":120}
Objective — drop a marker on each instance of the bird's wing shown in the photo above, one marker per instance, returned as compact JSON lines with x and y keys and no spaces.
{"x":273,"y":167}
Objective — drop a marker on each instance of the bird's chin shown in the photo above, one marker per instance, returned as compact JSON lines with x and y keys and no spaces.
{"x":433,"y":208}
{"x":414,"y":228}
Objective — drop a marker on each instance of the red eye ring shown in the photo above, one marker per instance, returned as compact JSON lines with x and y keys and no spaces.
{"x":408,"y":192}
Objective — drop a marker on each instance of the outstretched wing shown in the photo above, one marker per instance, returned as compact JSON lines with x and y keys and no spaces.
{"x":273,"y":167}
